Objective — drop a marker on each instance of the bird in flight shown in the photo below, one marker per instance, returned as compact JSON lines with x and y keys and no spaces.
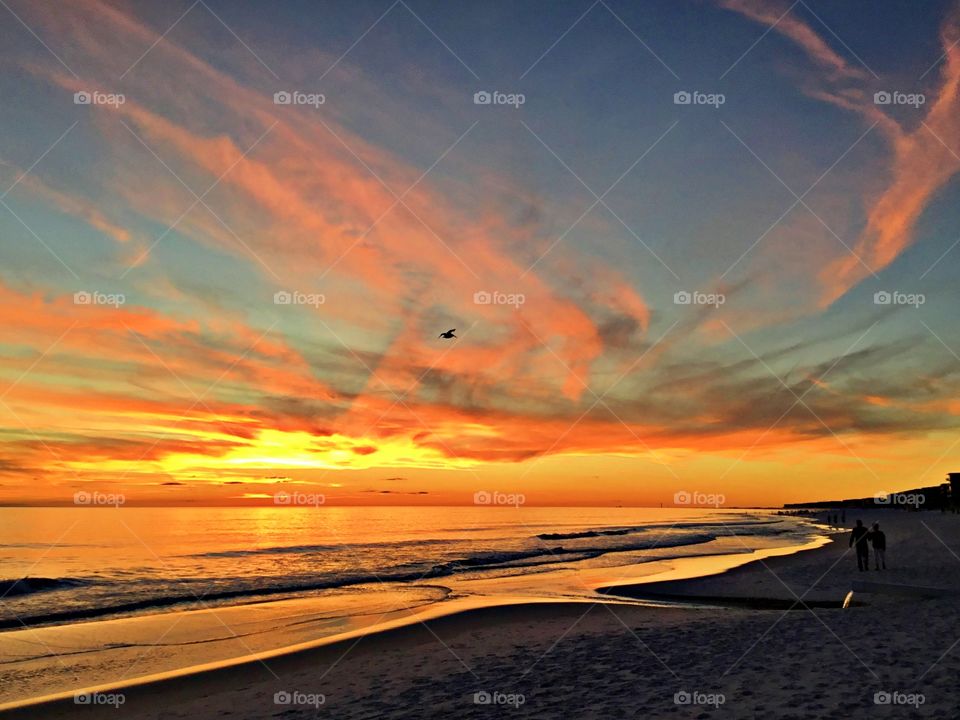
{"x":448,"y":334}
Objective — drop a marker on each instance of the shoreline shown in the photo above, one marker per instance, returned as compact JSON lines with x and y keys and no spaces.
{"x":706,"y":589}
{"x":120,"y":602}
{"x":611,"y":656}
{"x":195,"y":680}
{"x":456,"y":615}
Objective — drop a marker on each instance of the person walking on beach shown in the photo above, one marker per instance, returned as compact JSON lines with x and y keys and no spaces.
{"x":858,"y":538}
{"x":879,"y":541}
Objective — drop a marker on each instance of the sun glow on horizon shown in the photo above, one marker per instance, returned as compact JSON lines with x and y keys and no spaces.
{"x":272,"y":448}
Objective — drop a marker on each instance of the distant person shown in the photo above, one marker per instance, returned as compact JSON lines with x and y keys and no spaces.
{"x":879,"y":542}
{"x":843,"y":517}
{"x":858,"y":539}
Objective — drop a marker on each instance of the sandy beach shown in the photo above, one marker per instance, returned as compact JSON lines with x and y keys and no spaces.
{"x":888,"y":654}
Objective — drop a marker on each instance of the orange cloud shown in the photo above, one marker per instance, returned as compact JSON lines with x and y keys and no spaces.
{"x":922,"y":161}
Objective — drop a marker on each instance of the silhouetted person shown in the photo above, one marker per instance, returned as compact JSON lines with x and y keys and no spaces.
{"x":879,"y":541}
{"x":843,"y":517}
{"x":858,"y":540}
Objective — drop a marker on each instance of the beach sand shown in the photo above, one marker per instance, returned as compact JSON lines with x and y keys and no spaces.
{"x":603,"y":660}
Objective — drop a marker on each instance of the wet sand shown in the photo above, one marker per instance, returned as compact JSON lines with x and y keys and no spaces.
{"x":604,"y":659}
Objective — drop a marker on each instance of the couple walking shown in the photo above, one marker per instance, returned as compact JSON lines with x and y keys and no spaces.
{"x":862,"y":539}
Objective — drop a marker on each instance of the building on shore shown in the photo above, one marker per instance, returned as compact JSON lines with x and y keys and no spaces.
{"x":943,"y":497}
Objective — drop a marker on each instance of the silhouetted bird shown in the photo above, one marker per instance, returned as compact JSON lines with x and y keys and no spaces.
{"x":448,"y":334}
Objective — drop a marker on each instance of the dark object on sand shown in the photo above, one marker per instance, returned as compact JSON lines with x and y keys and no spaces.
{"x":651,"y":592}
{"x":920,"y":591}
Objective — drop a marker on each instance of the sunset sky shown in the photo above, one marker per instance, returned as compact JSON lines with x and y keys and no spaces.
{"x":184,"y":209}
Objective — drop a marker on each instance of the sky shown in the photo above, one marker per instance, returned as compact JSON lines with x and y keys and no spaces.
{"x":688,"y":246}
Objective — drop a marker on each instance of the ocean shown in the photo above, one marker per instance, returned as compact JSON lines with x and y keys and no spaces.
{"x":64,"y":565}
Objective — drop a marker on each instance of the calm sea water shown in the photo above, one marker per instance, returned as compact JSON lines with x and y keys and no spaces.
{"x":96,"y":562}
